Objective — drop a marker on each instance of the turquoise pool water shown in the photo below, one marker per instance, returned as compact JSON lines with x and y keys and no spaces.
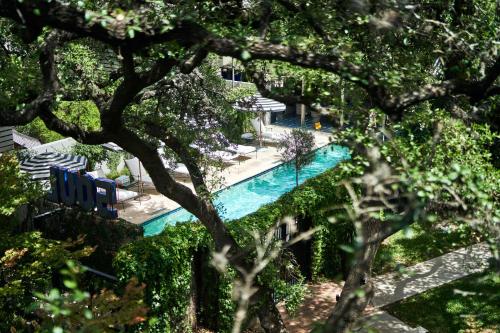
{"x":249,"y":195}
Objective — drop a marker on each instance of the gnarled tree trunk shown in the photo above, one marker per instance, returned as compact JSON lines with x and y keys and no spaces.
{"x":269,"y":316}
{"x":358,"y":289}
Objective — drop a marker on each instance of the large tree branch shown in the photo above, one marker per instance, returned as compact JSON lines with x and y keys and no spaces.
{"x":37,"y":14}
{"x":192,"y":62}
{"x":185,"y":33}
{"x":237,"y":256}
{"x":68,"y":129}
{"x":132,"y":84}
{"x":188,"y":34}
{"x":475,"y":90}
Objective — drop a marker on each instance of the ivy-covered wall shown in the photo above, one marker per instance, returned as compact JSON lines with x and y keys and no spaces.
{"x":318,"y":200}
{"x":167,"y":263}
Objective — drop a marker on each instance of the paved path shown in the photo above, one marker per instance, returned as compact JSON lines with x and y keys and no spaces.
{"x":393,"y":287}
{"x":318,"y":303}
{"x":382,"y":322}
{"x":390,"y":288}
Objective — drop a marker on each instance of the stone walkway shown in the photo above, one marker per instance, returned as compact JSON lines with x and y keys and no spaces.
{"x":318,"y":303}
{"x":382,"y":322}
{"x":393,"y":287}
{"x":390,"y":288}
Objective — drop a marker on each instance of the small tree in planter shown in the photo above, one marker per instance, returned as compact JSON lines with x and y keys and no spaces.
{"x":296,"y":146}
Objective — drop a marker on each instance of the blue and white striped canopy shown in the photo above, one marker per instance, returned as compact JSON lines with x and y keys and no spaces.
{"x":38,"y":166}
{"x":257,"y":103}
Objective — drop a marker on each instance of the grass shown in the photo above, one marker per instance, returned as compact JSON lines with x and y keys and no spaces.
{"x":417,"y":244}
{"x":468,"y":305}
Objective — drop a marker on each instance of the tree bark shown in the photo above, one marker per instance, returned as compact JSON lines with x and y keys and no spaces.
{"x":358,"y":289}
{"x":269,"y":316}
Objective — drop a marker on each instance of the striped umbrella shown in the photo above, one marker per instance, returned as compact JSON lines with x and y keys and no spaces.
{"x":257,"y":103}
{"x":38,"y":166}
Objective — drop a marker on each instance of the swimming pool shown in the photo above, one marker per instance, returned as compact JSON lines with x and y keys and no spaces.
{"x":250,"y":194}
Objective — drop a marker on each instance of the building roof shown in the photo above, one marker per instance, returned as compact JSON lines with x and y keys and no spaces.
{"x":59,"y":146}
{"x":24,"y":140}
{"x":6,"y":142}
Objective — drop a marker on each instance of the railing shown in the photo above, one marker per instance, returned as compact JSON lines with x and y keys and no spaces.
{"x":99,"y":273}
{"x":239,"y":84}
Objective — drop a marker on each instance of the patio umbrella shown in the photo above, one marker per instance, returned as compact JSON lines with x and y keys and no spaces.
{"x":38,"y":166}
{"x":257,"y":103}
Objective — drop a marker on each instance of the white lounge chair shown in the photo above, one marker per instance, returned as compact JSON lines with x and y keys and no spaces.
{"x":98,"y":173}
{"x":134,"y":166}
{"x":240,"y":149}
{"x":219,"y":155}
{"x":224,"y":156}
{"x":179,"y":170}
{"x":263,"y":132}
{"x":123,"y":195}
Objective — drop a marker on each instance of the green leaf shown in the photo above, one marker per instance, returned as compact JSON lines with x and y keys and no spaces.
{"x":347,"y":248}
{"x":245,"y":55}
{"x":71,"y":284}
{"x":88,"y":314}
{"x":88,"y":15}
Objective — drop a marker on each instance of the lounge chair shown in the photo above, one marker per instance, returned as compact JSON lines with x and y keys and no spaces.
{"x":224,"y":156}
{"x":123,"y":195}
{"x":240,"y":149}
{"x":263,"y":132}
{"x":98,"y":173}
{"x":179,"y":170}
{"x":219,"y":155}
{"x":133,"y":165}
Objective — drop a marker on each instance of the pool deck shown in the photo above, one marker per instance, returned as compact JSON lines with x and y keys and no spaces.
{"x":153,"y":203}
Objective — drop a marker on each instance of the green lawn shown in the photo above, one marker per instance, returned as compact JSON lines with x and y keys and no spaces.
{"x":418,"y":244}
{"x":468,"y":305}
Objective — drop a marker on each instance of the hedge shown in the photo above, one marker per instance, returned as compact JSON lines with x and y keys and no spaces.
{"x":164,"y":262}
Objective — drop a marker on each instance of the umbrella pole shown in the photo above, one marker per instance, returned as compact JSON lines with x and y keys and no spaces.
{"x":302,"y":108}
{"x":260,"y":129}
{"x":141,"y":187}
{"x":232,"y":72}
